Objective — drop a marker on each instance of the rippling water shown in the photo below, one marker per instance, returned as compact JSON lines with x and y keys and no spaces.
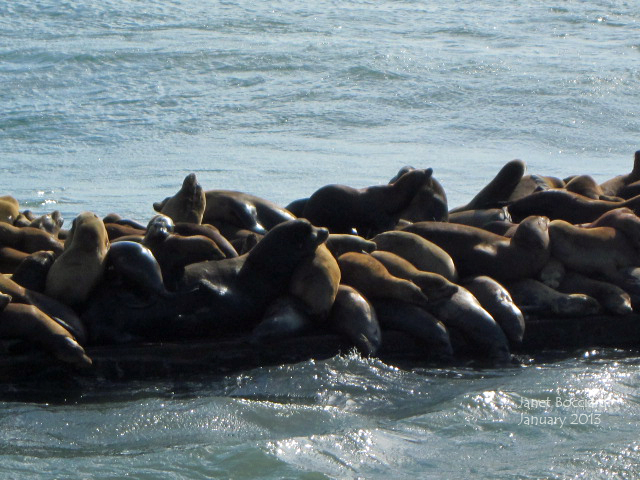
{"x":106,"y":106}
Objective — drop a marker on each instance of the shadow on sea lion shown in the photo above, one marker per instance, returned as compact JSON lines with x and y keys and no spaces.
{"x":534,"y":297}
{"x":369,"y":210}
{"x":612,"y":298}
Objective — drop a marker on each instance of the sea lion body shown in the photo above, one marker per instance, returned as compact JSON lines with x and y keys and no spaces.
{"x":9,"y":209}
{"x":534,"y":297}
{"x":478,"y":252}
{"x":369,"y":210}
{"x":81,"y":266}
{"x":422,"y":253}
{"x":428,"y":203}
{"x":353,"y":316}
{"x":615,"y":185}
{"x":32,"y":271}
{"x":339,"y":243}
{"x":284,"y":318}
{"x":28,"y":239}
{"x":479,"y":218}
{"x":612,"y":298}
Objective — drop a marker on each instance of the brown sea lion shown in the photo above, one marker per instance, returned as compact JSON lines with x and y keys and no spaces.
{"x":209,"y":231}
{"x":616,"y":184}
{"x":600,"y":250}
{"x":188,"y":205}
{"x":353,"y":316}
{"x":315,"y":282}
{"x":622,"y":219}
{"x":586,"y":186}
{"x":50,"y":222}
{"x":534,"y":183}
{"x":9,"y":209}
{"x":243,"y":211}
{"x":80,"y":267}
{"x":29,"y":323}
{"x":423,"y":254}
{"x":28,"y":239}
{"x":10,"y":259}
{"x":367,"y":275}
{"x":479,"y":218}
{"x":434,"y":286}
{"x":534,"y":297}
{"x":497,"y":190}
{"x":612,"y":298}
{"x":496,"y":300}
{"x":478,"y":252}
{"x":369,"y":210}
{"x":339,"y":243}
{"x":563,"y":205}
{"x":429,"y":202}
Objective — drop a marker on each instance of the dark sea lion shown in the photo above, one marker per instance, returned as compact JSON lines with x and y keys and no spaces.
{"x":563,"y":205}
{"x":353,"y":316}
{"x":429,"y":202}
{"x":552,"y":273}
{"x":250,"y":282}
{"x":117,"y":219}
{"x":285,"y":317}
{"x":188,"y":205}
{"x":478,"y":252}
{"x":9,"y":209}
{"x":116,"y":231}
{"x":32,"y":271}
{"x":134,"y":265}
{"x":417,"y":322}
{"x":464,"y":313}
{"x":369,"y":210}
{"x":497,"y":190}
{"x":612,"y":298}
{"x":479,"y":218}
{"x":496,"y":300}
{"x":50,"y":222}
{"x":629,"y":191}
{"x":502,"y":228}
{"x":370,"y":277}
{"x":599,"y":250}
{"x":534,"y":297}
{"x":80,"y":267}
{"x":586,"y":186}
{"x":339,"y":243}
{"x":423,"y":254}
{"x":28,"y":239}
{"x":434,"y":286}
{"x":297,"y":206}
{"x":244,"y":211}
{"x":4,"y":301}
{"x":60,"y":312}
{"x":534,"y":183}
{"x":616,"y":184}
{"x":315,"y":282}
{"x":29,"y":323}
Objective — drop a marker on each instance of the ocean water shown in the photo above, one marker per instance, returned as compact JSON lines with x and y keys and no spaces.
{"x":106,"y":106}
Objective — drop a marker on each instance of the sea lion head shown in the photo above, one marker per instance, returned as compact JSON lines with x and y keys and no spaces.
{"x":533,"y":233}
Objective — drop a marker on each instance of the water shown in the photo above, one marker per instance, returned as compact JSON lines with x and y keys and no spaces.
{"x":106,"y":106}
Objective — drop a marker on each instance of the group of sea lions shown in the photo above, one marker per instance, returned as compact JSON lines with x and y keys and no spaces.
{"x":354,"y":262}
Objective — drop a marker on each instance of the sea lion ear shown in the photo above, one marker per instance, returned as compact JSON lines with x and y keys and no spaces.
{"x":429,"y":172}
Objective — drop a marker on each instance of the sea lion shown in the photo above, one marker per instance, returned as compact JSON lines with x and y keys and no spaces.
{"x":58,"y":311}
{"x":552,"y":273}
{"x":116,"y":231}
{"x":434,"y":286}
{"x":315,"y":282}
{"x":479,"y":218}
{"x":117,"y":219}
{"x":28,"y":239}
{"x":464,"y":313}
{"x":497,"y":190}
{"x":50,"y":222}
{"x":534,"y":183}
{"x":9,"y":209}
{"x":612,"y":298}
{"x":417,"y":322}
{"x":10,"y":259}
{"x":32,"y":271}
{"x":534,"y":297}
{"x":250,"y":282}
{"x":188,"y":205}
{"x":285,"y":317}
{"x":599,"y":250}
{"x":429,"y":202}
{"x":622,"y":219}
{"x":423,"y":254}
{"x":478,"y":252}
{"x":174,"y":252}
{"x":369,"y":210}
{"x":373,"y":280}
{"x":629,"y":191}
{"x":209,"y":231}
{"x":134,"y":265}
{"x":353,"y":316}
{"x":616,"y":184}
{"x":29,"y":323}
{"x":244,"y":211}
{"x":339,"y":243}
{"x":496,"y":300}
{"x":4,"y":301}
{"x":80,"y":267}
{"x":568,"y":206}
{"x":297,"y":206}
{"x":586,"y":186}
